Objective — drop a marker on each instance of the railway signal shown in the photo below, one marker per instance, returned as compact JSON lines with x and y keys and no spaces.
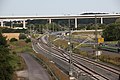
{"x":100,"y":40}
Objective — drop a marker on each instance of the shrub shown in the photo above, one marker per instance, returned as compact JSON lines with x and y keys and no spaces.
{"x":28,"y":40}
{"x":22,"y":36}
{"x":13,"y":39}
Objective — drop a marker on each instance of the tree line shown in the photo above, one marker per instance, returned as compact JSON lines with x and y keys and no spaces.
{"x":110,"y":26}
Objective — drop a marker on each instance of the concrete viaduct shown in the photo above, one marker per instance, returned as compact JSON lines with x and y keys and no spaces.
{"x":50,"y":18}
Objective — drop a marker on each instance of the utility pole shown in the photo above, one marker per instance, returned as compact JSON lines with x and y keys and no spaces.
{"x":96,"y":38}
{"x":39,"y":29}
{"x":53,"y":27}
{"x":96,"y":26}
{"x":31,"y":29}
{"x":47,"y":33}
{"x":70,"y":54}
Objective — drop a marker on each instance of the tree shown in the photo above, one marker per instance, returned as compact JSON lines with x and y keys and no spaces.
{"x":22,"y":36}
{"x":112,"y":32}
{"x":3,"y":41}
{"x":28,"y":40}
{"x":6,"y":69}
{"x":118,"y":43}
{"x":53,"y":27}
{"x":117,"y":21}
{"x":13,"y":39}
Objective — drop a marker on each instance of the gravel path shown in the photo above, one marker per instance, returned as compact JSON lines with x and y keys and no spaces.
{"x":35,"y":70}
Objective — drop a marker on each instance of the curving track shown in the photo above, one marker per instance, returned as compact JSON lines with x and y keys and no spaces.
{"x":96,"y":70}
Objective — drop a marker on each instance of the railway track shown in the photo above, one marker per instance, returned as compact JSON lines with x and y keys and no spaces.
{"x":91,"y":73}
{"x":76,"y":59}
{"x":107,"y":67}
{"x":62,"y":56}
{"x":103,"y":67}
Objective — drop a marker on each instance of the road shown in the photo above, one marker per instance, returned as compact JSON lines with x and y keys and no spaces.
{"x":35,"y":70}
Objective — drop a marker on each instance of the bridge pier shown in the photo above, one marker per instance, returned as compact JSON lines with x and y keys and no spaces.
{"x":11,"y":24}
{"x":50,"y":21}
{"x":75,"y":22}
{"x":24,"y":26}
{"x":2,"y":24}
{"x":101,"y":20}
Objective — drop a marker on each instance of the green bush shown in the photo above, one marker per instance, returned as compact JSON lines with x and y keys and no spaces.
{"x":28,"y":40}
{"x":13,"y":39}
{"x":22,"y":36}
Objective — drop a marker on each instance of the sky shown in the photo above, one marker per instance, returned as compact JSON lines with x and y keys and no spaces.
{"x":56,"y":7}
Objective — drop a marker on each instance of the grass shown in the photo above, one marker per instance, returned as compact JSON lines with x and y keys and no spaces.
{"x":61,"y":43}
{"x":89,"y":32}
{"x":77,"y":33}
{"x":112,"y":42}
{"x":20,"y":46}
{"x":36,"y":35}
{"x":52,"y":37}
{"x":112,"y":59}
{"x":17,"y":48}
{"x":17,"y":62}
{"x":85,"y":45}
